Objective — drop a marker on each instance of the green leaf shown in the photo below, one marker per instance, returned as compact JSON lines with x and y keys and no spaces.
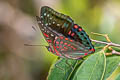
{"x":118,"y":77}
{"x":112,"y":64}
{"x":64,"y":70}
{"x":114,"y":74}
{"x":92,"y":68}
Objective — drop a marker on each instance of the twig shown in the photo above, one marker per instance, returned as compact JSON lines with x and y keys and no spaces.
{"x":104,"y":35}
{"x":107,"y":43}
{"x":115,"y":52}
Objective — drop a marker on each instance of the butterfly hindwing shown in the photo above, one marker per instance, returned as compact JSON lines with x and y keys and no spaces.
{"x":79,"y":35}
{"x":70,"y":48}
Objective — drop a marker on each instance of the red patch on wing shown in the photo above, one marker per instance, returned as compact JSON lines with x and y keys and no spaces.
{"x":61,"y":37}
{"x":75,"y":26}
{"x":57,"y":42}
{"x":65,"y":48}
{"x":69,"y":32}
{"x":61,"y":42}
{"x":57,"y":46}
{"x":65,"y":43}
{"x":73,"y":47}
{"x":49,"y":41}
{"x":69,"y":44}
{"x":66,"y":38}
{"x":57,"y":53}
{"x":92,"y":50}
{"x":72,"y":34}
{"x":80,"y":29}
{"x":45,"y":35}
{"x":86,"y":54}
{"x":71,"y":40}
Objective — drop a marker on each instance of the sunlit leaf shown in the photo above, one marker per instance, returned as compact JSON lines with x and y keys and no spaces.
{"x":111,"y":64}
{"x":64,"y":70}
{"x":93,"y":68}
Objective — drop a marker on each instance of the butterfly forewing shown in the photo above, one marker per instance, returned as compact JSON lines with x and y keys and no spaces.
{"x":57,"y":21}
{"x":50,"y":36}
{"x":47,"y":33}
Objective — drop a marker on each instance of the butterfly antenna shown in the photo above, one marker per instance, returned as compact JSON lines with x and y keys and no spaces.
{"x":57,"y":66}
{"x":34,"y":28}
{"x":33,"y":45}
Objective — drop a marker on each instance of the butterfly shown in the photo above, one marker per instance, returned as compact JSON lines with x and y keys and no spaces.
{"x":65,"y":38}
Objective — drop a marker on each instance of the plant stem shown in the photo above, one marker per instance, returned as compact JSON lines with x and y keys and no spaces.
{"x":107,"y":43}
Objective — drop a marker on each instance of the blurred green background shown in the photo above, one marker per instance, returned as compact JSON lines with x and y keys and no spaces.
{"x":19,"y":62}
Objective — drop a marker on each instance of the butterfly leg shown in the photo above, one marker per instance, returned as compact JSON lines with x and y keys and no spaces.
{"x":56,"y":65}
{"x":67,"y":61}
{"x":34,"y":28}
{"x":69,"y":64}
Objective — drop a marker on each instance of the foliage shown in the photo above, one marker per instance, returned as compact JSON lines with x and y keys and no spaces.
{"x":95,"y":67}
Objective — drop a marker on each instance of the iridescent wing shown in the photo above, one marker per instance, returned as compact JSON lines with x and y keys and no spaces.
{"x":55,"y":25}
{"x":64,"y":25}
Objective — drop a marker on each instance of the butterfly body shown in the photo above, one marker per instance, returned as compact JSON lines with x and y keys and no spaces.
{"x":65,"y":38}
